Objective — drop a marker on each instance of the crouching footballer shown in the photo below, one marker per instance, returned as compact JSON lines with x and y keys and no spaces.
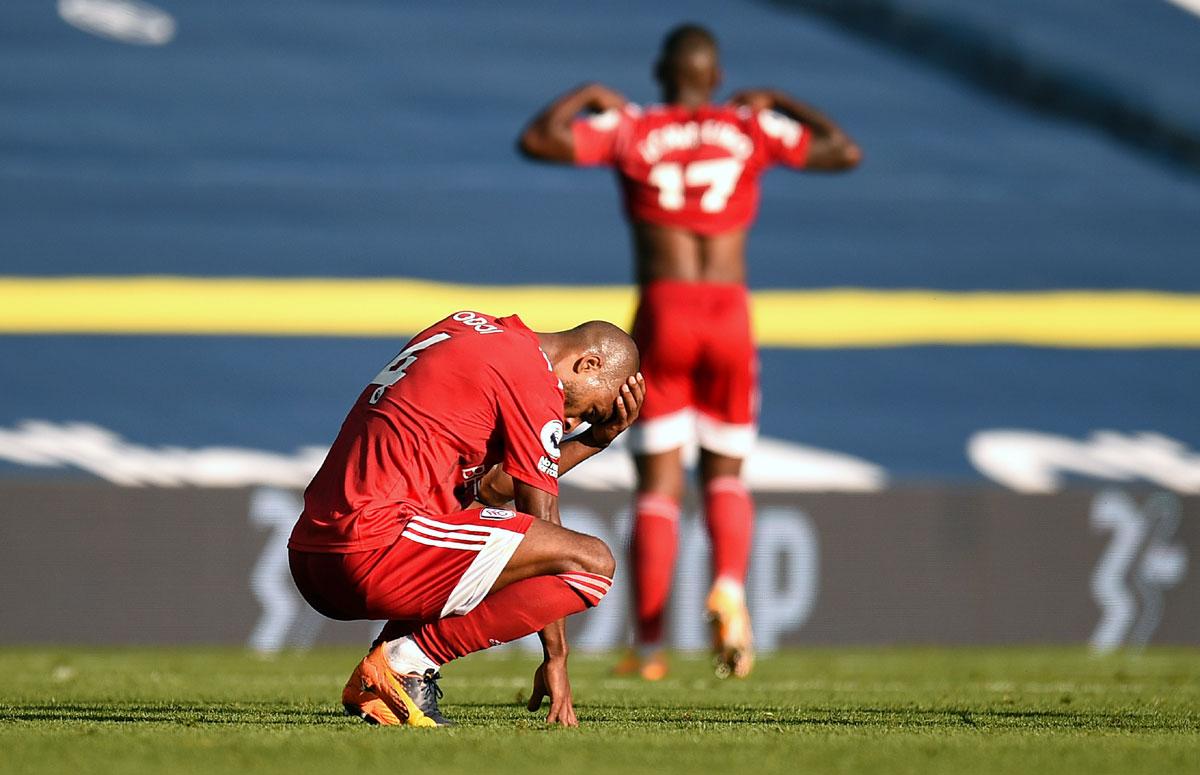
{"x":406,"y":519}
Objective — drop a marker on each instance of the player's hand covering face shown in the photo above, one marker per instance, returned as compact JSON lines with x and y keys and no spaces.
{"x":625,"y":411}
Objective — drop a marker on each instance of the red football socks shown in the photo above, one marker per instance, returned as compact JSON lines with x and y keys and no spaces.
{"x":655,"y":539}
{"x":729,"y":512}
{"x":521,"y":608}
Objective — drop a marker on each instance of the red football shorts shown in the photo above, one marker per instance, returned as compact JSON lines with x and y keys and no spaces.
{"x":439,"y":566}
{"x":701,"y":368}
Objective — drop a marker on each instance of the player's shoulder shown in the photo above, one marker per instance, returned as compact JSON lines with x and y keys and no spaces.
{"x":486,"y":330}
{"x":730,"y":111}
{"x":763,"y":126}
{"x":479,"y":335}
{"x":779,"y":127}
{"x":512,"y":349}
{"x":739,"y":116}
{"x":607,"y":121}
{"x":746,"y":118}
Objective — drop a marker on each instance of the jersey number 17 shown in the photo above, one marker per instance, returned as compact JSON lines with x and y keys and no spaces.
{"x":672,"y":178}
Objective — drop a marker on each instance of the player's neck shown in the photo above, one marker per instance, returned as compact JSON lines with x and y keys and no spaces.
{"x":687,"y":97}
{"x":552,"y":345}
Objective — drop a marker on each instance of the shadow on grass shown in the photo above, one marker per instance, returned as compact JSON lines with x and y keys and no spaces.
{"x":889,"y":719}
{"x":174,"y":713}
{"x":899,"y":719}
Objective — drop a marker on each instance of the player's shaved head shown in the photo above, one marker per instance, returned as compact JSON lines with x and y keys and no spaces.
{"x":689,"y":63}
{"x":615,"y":346}
{"x":593,"y":360}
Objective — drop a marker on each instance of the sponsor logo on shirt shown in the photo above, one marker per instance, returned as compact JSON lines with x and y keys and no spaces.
{"x":471,"y":472}
{"x":551,"y":434}
{"x":548,"y":466}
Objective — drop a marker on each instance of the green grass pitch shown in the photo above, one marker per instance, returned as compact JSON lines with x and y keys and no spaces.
{"x":888,"y":710}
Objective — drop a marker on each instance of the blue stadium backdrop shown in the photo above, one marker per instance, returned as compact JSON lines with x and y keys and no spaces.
{"x":1010,"y":156}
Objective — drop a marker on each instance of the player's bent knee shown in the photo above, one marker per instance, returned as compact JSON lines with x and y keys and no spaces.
{"x":598,"y":558}
{"x":549,"y":549}
{"x":592,"y":576}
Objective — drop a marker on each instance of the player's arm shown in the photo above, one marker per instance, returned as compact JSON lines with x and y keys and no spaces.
{"x":497,"y":487}
{"x":551,"y":677}
{"x":830,"y":147}
{"x":549,"y":137}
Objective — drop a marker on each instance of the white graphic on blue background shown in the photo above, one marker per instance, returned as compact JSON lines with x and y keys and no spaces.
{"x":1142,"y":561}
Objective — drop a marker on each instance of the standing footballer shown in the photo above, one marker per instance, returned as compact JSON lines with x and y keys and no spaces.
{"x":689,"y":171}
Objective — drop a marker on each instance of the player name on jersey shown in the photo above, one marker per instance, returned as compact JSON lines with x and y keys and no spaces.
{"x":691,"y":135}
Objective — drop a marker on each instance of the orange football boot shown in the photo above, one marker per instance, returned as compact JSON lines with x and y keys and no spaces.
{"x":375,"y":693}
{"x":651,"y":668}
{"x":366,"y":704}
{"x":628,"y":665}
{"x":733,"y":640}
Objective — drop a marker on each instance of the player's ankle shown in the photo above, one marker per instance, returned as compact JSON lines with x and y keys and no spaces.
{"x":730,"y":586}
{"x":405,"y":657}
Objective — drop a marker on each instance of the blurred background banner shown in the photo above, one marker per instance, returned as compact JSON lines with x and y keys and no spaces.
{"x":220,"y":219}
{"x":94,"y":563}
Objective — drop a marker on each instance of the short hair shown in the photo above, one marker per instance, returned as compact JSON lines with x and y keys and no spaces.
{"x":685,"y":40}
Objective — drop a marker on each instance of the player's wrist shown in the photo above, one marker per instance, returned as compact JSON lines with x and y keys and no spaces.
{"x":772,"y":98}
{"x":589,"y":439}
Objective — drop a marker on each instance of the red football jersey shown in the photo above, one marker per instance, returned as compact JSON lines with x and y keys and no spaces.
{"x":467,"y":393}
{"x":694,"y":169}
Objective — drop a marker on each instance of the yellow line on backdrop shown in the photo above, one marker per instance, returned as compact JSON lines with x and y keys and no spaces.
{"x":841,"y":317}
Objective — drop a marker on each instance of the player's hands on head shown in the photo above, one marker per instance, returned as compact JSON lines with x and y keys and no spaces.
{"x":551,"y":681}
{"x":626,"y":408}
{"x":755,"y":99}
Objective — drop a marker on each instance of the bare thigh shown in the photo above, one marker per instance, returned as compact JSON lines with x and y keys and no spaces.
{"x":550,"y":549}
{"x":714,"y":466}
{"x":661,"y":474}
